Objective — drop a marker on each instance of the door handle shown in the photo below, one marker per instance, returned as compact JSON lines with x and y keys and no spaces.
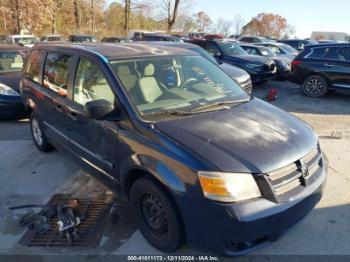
{"x":59,"y":108}
{"x":73,"y":116}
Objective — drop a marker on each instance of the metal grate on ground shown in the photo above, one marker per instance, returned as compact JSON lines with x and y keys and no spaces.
{"x":91,"y":228}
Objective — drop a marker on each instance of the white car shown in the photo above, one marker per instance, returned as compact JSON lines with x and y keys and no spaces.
{"x":23,"y":40}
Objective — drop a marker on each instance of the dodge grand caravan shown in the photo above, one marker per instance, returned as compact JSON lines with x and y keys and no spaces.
{"x":199,"y":160}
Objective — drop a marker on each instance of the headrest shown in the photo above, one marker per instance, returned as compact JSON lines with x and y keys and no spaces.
{"x":149,"y":70}
{"x":123,"y":70}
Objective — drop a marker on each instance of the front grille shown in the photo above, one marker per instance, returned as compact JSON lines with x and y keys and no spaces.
{"x":247,"y":85}
{"x":293,"y":178}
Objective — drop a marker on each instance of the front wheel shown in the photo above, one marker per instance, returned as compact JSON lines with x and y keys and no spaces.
{"x":315,"y":86}
{"x":157,"y":216}
{"x":38,"y":135}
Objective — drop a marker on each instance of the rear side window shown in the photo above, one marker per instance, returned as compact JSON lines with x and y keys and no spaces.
{"x":329,"y":53}
{"x":317,"y":53}
{"x":56,"y":72}
{"x":32,"y":70}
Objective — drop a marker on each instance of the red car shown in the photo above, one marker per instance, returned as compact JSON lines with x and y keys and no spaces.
{"x":211,"y":37}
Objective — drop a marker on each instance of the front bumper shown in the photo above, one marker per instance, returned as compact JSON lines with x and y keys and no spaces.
{"x":283,"y":74}
{"x":237,"y":229}
{"x":11,"y":107}
{"x":262,"y":76}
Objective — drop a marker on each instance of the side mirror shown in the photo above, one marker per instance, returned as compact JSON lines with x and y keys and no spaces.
{"x":99,"y":109}
{"x":217,"y":55}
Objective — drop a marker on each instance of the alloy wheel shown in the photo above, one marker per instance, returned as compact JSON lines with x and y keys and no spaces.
{"x":37,"y":134}
{"x":314,"y":86}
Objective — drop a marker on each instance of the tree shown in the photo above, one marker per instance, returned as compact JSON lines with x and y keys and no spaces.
{"x":237,"y":23}
{"x":266,"y":24}
{"x":203,"y":21}
{"x":76,"y":16}
{"x":185,"y":23}
{"x":223,"y":27}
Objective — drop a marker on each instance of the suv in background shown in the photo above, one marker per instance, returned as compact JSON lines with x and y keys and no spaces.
{"x":298,"y":44}
{"x":115,"y":39}
{"x":51,"y":38}
{"x":252,"y":39}
{"x":259,"y":68}
{"x":22,"y":40}
{"x":160,"y":37}
{"x":320,"y":68}
{"x":82,"y":39}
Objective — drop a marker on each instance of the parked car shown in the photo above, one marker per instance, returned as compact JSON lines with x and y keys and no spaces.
{"x":11,"y":63}
{"x":283,"y":64}
{"x":213,"y":36}
{"x":259,"y":68}
{"x":3,"y":39}
{"x":82,"y":39}
{"x":22,"y":40}
{"x":281,"y":49}
{"x":298,"y":44}
{"x":160,"y":37}
{"x":137,"y":35}
{"x":320,"y":68}
{"x":252,"y":39}
{"x":202,"y":161}
{"x":115,"y":39}
{"x":51,"y":38}
{"x":196,"y":35}
{"x":237,"y":74}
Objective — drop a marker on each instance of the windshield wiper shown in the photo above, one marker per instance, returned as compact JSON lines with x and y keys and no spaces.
{"x":171,"y":112}
{"x":228,"y":103}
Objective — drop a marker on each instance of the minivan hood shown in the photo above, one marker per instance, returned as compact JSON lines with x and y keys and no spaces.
{"x":254,"y":137}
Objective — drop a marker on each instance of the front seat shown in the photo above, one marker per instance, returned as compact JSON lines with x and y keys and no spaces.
{"x":149,"y":87}
{"x":128,"y":80}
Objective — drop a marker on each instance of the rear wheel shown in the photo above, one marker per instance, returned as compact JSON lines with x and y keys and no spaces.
{"x":38,"y":135}
{"x":315,"y":86}
{"x":157,"y":216}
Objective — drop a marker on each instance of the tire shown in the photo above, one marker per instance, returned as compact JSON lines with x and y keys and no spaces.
{"x":157,"y":216}
{"x":38,"y":135}
{"x":315,"y":86}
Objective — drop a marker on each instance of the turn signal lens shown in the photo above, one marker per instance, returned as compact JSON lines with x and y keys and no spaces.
{"x":228,"y":187}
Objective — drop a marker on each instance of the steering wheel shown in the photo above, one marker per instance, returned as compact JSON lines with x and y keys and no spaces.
{"x":187,"y":82}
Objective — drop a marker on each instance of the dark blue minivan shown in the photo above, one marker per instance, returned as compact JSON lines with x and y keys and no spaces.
{"x":197,"y":159}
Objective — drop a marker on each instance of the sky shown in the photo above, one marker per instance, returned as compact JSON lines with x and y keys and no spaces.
{"x":305,"y":15}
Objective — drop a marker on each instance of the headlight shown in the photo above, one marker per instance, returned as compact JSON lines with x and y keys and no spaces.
{"x":8,"y":91}
{"x":228,"y":187}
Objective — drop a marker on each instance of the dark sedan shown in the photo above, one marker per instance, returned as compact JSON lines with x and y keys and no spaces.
{"x":283,"y":64}
{"x":11,"y":63}
{"x":260,"y":68}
